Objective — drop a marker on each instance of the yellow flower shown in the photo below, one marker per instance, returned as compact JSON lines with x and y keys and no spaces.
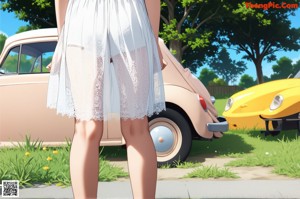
{"x":44,"y":148}
{"x":49,"y":158}
{"x":46,"y":168}
{"x":27,"y":153}
{"x":55,"y":152}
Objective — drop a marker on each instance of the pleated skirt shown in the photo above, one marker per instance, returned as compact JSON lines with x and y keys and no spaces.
{"x":106,"y":62}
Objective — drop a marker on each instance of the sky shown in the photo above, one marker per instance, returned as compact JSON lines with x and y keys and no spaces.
{"x":9,"y":25}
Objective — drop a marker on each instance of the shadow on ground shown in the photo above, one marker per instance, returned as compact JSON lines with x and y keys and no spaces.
{"x":227,"y":145}
{"x":283,"y":135}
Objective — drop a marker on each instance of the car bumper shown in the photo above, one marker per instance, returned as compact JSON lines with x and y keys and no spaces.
{"x":221,"y":126}
{"x":282,"y":124}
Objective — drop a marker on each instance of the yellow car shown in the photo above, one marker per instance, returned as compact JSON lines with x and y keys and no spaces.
{"x":271,"y":106}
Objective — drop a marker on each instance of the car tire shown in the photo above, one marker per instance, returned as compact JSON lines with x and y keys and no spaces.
{"x":171,"y":135}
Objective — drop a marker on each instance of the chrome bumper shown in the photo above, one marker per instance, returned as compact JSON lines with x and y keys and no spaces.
{"x":221,"y":126}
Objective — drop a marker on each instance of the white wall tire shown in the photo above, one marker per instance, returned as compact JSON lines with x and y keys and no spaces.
{"x":171,"y":136}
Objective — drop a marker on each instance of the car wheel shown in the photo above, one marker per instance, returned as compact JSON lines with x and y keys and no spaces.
{"x":171,"y":135}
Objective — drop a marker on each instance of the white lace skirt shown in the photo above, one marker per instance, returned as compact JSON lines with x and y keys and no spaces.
{"x":106,"y":61}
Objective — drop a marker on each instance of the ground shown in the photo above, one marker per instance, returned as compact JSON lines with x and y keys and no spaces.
{"x":245,"y":173}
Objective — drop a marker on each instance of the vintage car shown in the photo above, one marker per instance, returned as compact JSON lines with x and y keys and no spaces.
{"x":190,"y":112}
{"x":271,"y":106}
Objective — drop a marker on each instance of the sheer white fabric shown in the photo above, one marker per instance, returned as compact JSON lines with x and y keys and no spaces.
{"x":106,"y":61}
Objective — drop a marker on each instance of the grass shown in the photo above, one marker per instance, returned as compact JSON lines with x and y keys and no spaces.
{"x":220,"y":105}
{"x":181,"y":165}
{"x":32,"y":164}
{"x":283,"y":153}
{"x":251,"y":148}
{"x":206,"y":172}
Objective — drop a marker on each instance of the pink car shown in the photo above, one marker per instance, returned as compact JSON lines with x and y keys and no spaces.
{"x":190,"y":111}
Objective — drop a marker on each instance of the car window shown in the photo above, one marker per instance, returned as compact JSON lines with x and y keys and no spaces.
{"x":10,"y":64}
{"x":35,"y":57}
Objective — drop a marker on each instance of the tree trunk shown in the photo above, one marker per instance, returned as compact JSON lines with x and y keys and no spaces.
{"x":176,"y":45}
{"x":259,"y":73}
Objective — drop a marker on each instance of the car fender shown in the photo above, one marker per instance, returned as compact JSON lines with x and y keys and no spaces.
{"x":189,"y":102}
{"x":289,"y":106}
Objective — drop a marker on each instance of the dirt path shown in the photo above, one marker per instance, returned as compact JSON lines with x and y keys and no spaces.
{"x":245,"y":173}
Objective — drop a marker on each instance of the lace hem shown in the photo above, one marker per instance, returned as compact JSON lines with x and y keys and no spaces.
{"x":87,"y":117}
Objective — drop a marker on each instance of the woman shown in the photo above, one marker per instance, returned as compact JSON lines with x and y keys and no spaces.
{"x":107,"y":61}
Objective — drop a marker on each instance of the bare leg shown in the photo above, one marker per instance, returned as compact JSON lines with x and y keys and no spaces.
{"x":142,"y":160}
{"x":84,"y":158}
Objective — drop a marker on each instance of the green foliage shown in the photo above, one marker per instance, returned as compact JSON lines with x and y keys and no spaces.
{"x":251,"y":148}
{"x":259,"y":33}
{"x":284,"y":68}
{"x":281,"y":152}
{"x":181,"y":165}
{"x":11,"y":63}
{"x":186,"y":165}
{"x":206,"y":172}
{"x":220,"y":105}
{"x":266,"y":79}
{"x":296,"y":66}
{"x":2,"y":41}
{"x":227,"y":68}
{"x":3,"y":173}
{"x":30,"y":145}
{"x":32,"y":163}
{"x":22,"y":169}
{"x":217,"y":82}
{"x":246,"y":81}
{"x":109,"y":172}
{"x":25,"y":28}
{"x":207,"y":76}
{"x":183,"y":27}
{"x":39,"y":13}
{"x":195,"y":29}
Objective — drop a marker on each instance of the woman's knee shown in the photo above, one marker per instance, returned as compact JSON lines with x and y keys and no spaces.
{"x":89,"y":130}
{"x":134,"y":128}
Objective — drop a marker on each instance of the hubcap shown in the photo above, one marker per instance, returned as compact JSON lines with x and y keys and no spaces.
{"x":167,"y":138}
{"x":163,"y":139}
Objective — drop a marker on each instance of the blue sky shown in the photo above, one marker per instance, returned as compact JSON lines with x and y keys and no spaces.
{"x":9,"y":25}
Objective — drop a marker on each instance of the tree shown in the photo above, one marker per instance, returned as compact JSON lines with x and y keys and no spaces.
{"x":185,"y":27}
{"x":227,"y":68}
{"x":25,"y":28}
{"x":2,"y":41}
{"x":266,"y":79}
{"x":296,"y":67}
{"x":284,"y":68}
{"x":246,"y":81}
{"x":217,"y":82}
{"x":39,"y":13}
{"x":207,"y":76}
{"x":259,"y":33}
{"x":183,"y":24}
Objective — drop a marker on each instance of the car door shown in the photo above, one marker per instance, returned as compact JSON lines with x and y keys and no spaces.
{"x":23,"y":94}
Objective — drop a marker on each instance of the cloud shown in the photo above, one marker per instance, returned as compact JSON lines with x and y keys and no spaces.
{"x":3,"y":33}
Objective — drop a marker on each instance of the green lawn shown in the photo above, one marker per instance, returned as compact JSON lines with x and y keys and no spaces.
{"x":33,"y":163}
{"x":251,"y":148}
{"x":220,"y":105}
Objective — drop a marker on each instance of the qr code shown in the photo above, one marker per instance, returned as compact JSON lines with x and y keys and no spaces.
{"x":10,"y":188}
